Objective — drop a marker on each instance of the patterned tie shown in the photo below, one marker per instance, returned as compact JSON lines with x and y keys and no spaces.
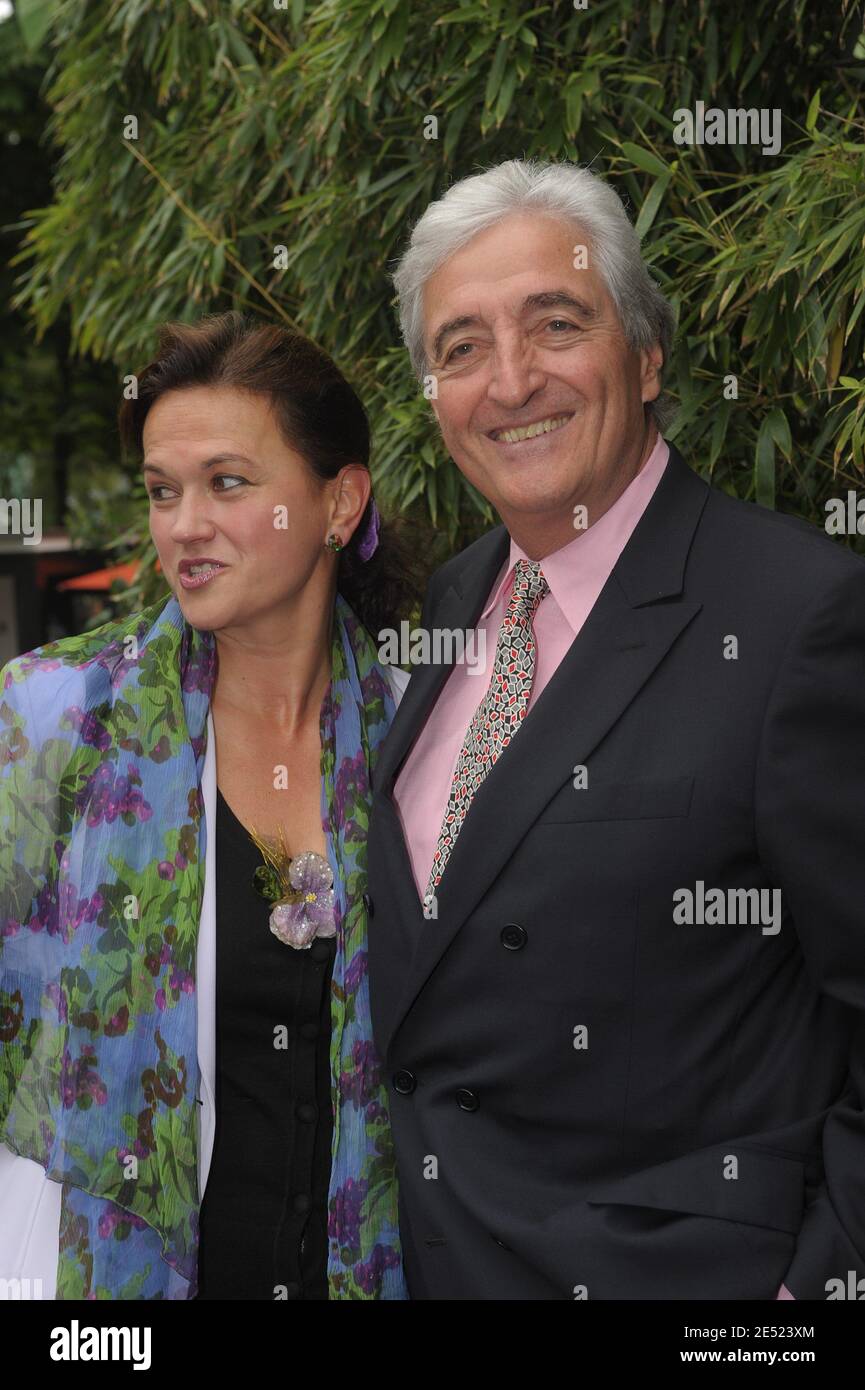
{"x":500,"y":713}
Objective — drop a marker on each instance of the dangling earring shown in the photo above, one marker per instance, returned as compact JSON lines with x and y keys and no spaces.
{"x":333,"y":542}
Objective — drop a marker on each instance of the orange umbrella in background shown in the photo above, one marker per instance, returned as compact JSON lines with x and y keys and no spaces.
{"x":98,"y":580}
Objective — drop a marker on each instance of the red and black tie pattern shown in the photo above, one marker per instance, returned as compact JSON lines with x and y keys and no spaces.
{"x":500,"y":713}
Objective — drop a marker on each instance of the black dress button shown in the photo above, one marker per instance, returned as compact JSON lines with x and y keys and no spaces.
{"x":309,"y":1030}
{"x":319,"y":950}
{"x":292,"y":1290}
{"x":467,"y":1100}
{"x":302,"y":1202}
{"x":367,"y":902}
{"x":404,"y":1082}
{"x":306,"y":1112}
{"x":514,"y":937}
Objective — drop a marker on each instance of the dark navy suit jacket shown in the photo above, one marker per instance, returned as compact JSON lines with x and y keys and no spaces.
{"x":706,"y":1137}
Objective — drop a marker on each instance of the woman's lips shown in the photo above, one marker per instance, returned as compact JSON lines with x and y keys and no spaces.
{"x":195,"y":581}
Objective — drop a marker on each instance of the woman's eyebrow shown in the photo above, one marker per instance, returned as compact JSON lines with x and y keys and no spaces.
{"x":207,"y":463}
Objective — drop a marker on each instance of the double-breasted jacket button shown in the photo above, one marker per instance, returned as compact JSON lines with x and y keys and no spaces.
{"x":467,"y":1100}
{"x":514,"y":937}
{"x":368,"y":904}
{"x":404,"y":1082}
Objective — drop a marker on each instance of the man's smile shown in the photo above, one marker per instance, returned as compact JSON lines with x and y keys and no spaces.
{"x":536,"y":429}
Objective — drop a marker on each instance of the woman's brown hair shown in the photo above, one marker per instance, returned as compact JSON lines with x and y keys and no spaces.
{"x":318,"y":414}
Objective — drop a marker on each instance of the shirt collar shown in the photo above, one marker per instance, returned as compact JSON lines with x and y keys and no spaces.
{"x":591,"y":555}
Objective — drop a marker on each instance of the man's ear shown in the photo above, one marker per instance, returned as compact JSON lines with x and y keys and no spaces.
{"x":651,"y":362}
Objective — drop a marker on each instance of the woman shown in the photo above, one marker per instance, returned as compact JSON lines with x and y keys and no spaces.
{"x":183,"y":995}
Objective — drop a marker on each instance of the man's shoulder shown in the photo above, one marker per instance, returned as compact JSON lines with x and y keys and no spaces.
{"x":477,"y":550}
{"x":778,"y":543}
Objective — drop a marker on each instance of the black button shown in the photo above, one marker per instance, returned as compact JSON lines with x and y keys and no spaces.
{"x":514,"y":937}
{"x":302,"y":1202}
{"x":467,"y":1100}
{"x":309,"y":1030}
{"x":500,"y":1242}
{"x":404,"y":1082}
{"x":292,"y":1290}
{"x":367,"y":902}
{"x":306,"y":1112}
{"x":319,"y":950}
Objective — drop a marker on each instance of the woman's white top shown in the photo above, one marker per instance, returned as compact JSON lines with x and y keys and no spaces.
{"x":30,"y":1201}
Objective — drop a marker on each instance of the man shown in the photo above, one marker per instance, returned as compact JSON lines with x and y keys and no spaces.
{"x":617,"y":957}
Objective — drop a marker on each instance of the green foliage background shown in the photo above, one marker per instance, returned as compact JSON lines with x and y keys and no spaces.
{"x":305,"y":126}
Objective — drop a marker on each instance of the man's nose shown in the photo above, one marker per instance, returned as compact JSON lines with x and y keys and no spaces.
{"x":515,"y":375}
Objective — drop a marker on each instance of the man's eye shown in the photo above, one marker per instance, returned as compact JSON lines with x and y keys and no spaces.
{"x":456,"y":349}
{"x":564,"y":322}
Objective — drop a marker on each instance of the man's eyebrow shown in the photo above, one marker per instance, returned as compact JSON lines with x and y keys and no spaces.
{"x":452,"y":326}
{"x":208,"y":463}
{"x":560,"y":299}
{"x":544,"y":299}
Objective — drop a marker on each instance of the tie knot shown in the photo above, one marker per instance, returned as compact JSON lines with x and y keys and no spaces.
{"x":529,"y":583}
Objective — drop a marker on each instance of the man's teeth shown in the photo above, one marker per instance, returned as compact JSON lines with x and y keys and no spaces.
{"x":530,"y":431}
{"x":201,"y":569}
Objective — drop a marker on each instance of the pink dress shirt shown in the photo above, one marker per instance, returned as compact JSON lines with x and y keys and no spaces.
{"x":576,"y":574}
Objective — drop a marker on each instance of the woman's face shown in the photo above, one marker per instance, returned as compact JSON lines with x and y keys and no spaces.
{"x":225,"y":486}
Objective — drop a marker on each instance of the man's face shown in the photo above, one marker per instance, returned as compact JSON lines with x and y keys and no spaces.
{"x":523,"y":359}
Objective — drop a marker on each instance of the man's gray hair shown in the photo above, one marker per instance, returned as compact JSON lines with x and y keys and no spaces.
{"x":567,"y":191}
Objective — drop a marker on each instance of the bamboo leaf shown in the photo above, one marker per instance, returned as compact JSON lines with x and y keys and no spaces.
{"x":651,"y":203}
{"x":764,"y":467}
{"x":644,"y":159}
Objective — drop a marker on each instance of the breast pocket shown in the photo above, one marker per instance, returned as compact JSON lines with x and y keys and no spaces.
{"x":651,"y":799}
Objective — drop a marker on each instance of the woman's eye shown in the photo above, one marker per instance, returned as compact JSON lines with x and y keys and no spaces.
{"x":219,"y":477}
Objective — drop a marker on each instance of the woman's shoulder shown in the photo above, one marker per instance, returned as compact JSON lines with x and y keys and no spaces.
{"x":66,"y":655}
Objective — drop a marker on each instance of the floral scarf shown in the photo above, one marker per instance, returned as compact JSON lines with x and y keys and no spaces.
{"x":102,"y":846}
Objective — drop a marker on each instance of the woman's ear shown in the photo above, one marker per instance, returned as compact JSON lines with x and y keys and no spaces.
{"x":353,"y":486}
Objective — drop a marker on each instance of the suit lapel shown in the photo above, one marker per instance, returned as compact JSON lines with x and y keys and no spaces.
{"x":458,"y":608}
{"x":636,"y":619}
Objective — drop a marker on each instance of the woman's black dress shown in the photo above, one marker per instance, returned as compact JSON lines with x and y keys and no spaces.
{"x":263,"y":1221}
